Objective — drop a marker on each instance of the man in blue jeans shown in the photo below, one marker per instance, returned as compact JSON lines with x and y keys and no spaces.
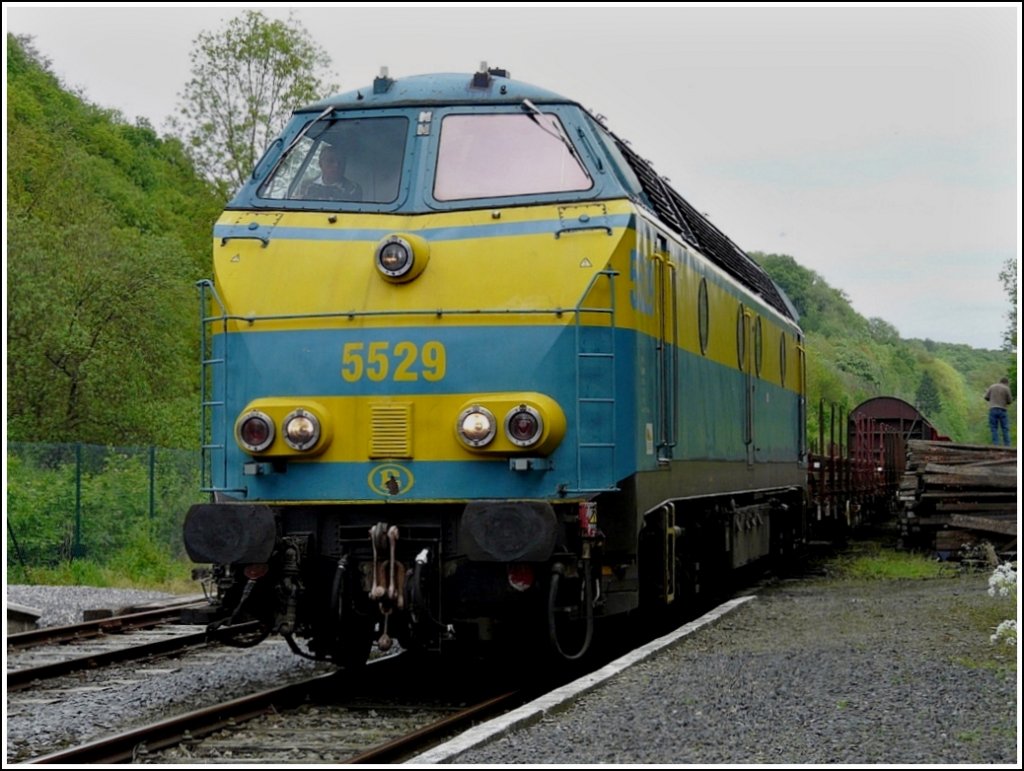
{"x":998,"y":396}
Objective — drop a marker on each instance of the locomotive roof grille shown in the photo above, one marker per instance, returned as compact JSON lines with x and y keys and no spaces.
{"x":678,"y":213}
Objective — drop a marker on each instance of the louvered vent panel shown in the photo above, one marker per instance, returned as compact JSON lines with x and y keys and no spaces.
{"x":676,"y":212}
{"x":391,"y":430}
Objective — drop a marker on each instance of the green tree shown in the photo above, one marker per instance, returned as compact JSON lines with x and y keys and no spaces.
{"x":98,"y":332}
{"x":245,"y":81}
{"x":108,"y":228}
{"x":822,"y":308}
{"x":882,"y":331}
{"x":1008,"y":275}
{"x":927,"y":397}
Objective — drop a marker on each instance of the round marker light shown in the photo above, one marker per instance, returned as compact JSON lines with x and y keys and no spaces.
{"x":256,"y":570}
{"x":301,"y":430}
{"x":476,"y":426}
{"x":523,"y":426}
{"x":520,"y":576}
{"x":255,"y":431}
{"x":394,"y":257}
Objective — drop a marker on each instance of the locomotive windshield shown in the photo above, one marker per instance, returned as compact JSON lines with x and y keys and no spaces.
{"x":491,"y":156}
{"x":355,"y":160}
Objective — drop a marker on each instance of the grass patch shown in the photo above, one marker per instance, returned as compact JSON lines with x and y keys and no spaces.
{"x":161,"y":576}
{"x":974,"y":611}
{"x":139,"y":561}
{"x":984,"y":617}
{"x":875,"y":563}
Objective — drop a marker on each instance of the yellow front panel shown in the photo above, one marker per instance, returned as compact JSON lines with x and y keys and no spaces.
{"x":478,"y":262}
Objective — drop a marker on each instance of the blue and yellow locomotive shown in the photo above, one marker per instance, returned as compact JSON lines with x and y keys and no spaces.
{"x":474,"y":372}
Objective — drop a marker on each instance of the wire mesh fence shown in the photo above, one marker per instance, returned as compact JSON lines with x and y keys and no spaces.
{"x":68,"y":502}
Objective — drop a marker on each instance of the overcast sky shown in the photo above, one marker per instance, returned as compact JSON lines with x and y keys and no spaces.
{"x":879,"y":146}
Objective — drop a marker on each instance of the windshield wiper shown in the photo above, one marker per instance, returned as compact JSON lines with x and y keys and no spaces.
{"x":533,"y":112}
{"x":298,"y":137}
{"x":305,"y":129}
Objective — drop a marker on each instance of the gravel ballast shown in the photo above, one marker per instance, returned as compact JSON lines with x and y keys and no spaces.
{"x":819,"y":672}
{"x":811,"y":671}
{"x":91,"y":704}
{"x":63,"y":605}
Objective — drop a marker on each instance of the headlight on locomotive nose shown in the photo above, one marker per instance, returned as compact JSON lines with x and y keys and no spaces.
{"x":476,"y":426}
{"x":301,"y":430}
{"x":394,"y":257}
{"x":523,"y":426}
{"x":255,"y":431}
{"x":401,"y":257}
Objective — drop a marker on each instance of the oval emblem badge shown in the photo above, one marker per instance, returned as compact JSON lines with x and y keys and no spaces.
{"x":390,"y":479}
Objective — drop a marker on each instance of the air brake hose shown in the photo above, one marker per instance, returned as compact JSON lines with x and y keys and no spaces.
{"x":557,"y":571}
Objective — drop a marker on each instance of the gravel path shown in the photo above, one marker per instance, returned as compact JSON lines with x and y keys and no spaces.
{"x":810,"y":672}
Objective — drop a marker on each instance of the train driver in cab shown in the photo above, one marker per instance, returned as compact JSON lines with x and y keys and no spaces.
{"x":332,"y":184}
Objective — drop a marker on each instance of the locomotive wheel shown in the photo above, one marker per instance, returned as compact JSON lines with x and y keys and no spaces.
{"x":420,"y":623}
{"x":352,"y":645}
{"x":351,"y":631}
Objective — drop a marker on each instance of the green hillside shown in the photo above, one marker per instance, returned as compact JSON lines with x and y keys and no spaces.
{"x":108,"y":228}
{"x":851,"y":359}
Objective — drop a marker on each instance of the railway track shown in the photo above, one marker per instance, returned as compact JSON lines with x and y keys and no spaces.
{"x":397,"y":707}
{"x":304,"y":722}
{"x":44,"y":654}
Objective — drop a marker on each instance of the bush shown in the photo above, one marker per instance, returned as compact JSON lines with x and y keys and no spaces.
{"x":1003,"y":583}
{"x":83,"y":514}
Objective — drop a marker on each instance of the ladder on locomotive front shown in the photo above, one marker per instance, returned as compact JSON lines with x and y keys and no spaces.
{"x":595,"y":391}
{"x":212,"y":412}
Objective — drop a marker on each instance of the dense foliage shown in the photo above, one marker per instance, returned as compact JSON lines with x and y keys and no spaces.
{"x":1008,"y":275}
{"x":108,"y":228}
{"x":110,"y":511}
{"x":851,"y":359}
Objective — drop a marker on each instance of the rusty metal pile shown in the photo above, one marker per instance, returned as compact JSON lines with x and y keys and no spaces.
{"x":953,"y":494}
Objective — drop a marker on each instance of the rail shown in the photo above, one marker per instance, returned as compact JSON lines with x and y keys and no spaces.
{"x":125,"y":746}
{"x":384,"y":742}
{"x":117,"y":644}
{"x":436,"y":312}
